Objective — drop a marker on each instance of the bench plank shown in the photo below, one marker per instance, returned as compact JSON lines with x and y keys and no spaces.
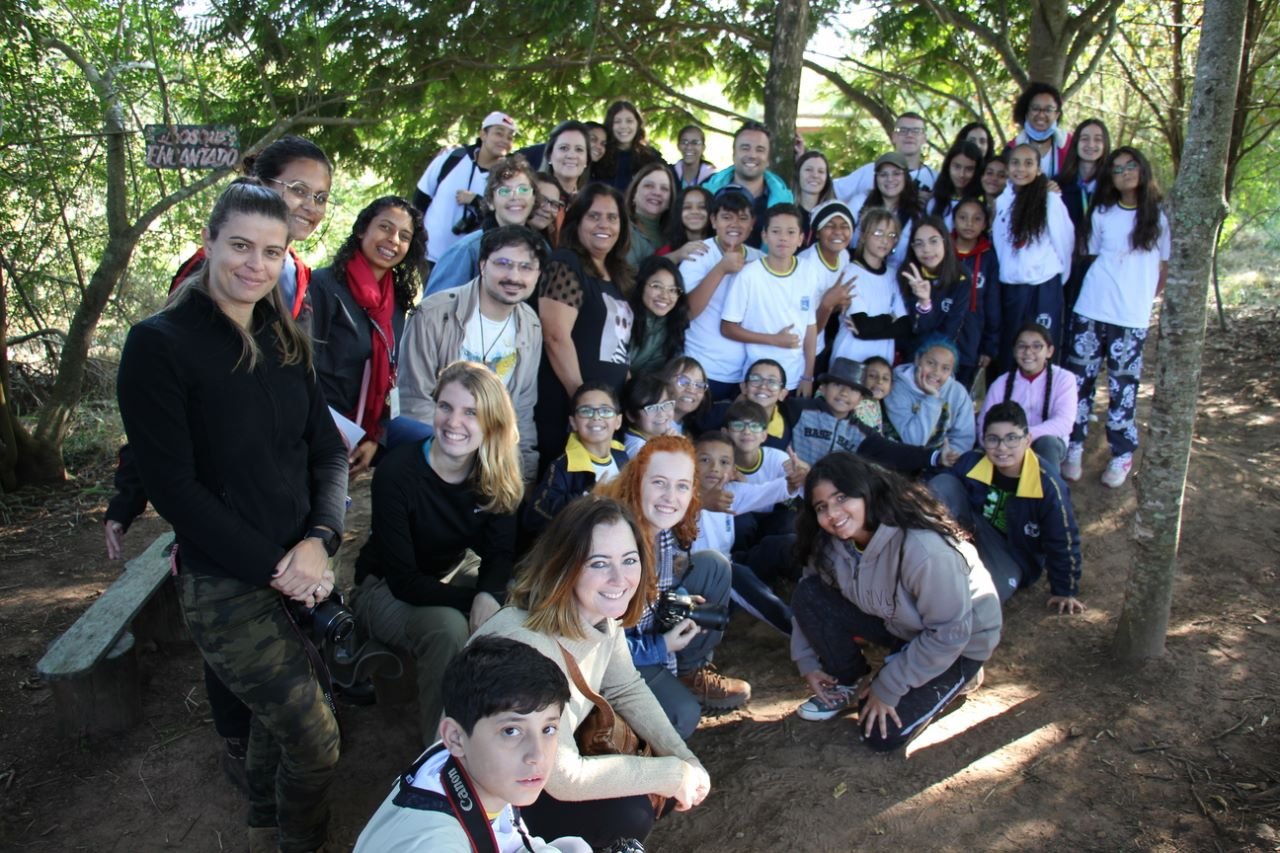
{"x":96,"y":631}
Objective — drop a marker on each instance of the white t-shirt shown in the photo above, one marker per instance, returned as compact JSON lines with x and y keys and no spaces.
{"x":444,"y":210}
{"x":861,"y":181}
{"x":722,"y":359}
{"x":492,"y":344}
{"x":1041,"y":259}
{"x":873,"y":294}
{"x":762,"y":300}
{"x":1121,"y":285}
{"x":769,"y":470}
{"x":605,"y":471}
{"x":826,"y":277}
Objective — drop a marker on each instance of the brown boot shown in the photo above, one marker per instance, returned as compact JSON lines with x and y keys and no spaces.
{"x":716,"y":691}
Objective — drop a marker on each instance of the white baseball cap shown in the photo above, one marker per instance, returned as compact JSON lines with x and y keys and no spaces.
{"x":501,"y":118}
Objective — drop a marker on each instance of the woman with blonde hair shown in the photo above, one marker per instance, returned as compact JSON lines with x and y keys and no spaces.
{"x":433,"y":501}
{"x":589,"y":577}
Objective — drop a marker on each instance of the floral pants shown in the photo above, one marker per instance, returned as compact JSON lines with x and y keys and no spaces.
{"x":1092,"y":343}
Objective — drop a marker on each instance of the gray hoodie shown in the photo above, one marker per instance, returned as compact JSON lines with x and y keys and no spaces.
{"x":937,"y":596}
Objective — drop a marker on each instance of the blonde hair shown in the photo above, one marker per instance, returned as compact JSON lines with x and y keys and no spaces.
{"x":498,"y":475}
{"x":547,"y":575}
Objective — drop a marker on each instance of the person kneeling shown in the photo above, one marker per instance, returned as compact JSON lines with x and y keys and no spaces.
{"x":502,"y":702}
{"x":1018,"y":509}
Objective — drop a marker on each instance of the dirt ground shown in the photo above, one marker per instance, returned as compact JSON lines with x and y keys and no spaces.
{"x":1060,"y":750}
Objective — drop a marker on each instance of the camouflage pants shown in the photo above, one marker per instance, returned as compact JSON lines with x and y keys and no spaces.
{"x":247,"y":639}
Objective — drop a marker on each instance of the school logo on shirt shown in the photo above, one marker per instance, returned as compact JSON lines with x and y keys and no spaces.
{"x":1031,"y":529}
{"x":946,"y":306}
{"x":1045,"y":320}
{"x":804,"y":303}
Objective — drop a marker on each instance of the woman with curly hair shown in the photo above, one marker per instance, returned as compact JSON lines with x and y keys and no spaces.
{"x":359,"y":304}
{"x":659,"y":486}
{"x":884,"y":563}
{"x":662,"y":315}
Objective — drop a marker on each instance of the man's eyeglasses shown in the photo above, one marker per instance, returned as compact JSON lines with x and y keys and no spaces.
{"x":303,"y":192}
{"x":508,"y":265}
{"x":909,"y":131}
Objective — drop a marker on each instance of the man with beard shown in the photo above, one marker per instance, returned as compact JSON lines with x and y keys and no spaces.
{"x":486,"y":321}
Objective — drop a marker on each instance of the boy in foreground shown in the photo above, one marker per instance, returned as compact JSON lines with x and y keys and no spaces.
{"x":502,"y":706}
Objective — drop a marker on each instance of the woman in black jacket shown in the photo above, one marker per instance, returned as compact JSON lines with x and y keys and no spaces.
{"x":238,"y":452}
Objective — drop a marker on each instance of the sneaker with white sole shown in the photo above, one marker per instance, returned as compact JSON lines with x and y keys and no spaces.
{"x":973,"y":683}
{"x":1073,"y":465}
{"x":816,"y":708}
{"x":1117,"y":470}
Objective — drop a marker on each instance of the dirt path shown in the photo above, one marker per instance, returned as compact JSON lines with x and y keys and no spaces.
{"x":1059,"y":751}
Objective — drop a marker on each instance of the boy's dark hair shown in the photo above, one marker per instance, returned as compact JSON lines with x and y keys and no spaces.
{"x":909,"y":114}
{"x":747,"y":410}
{"x":493,"y":675}
{"x":876,"y":359}
{"x":782,"y":209}
{"x":1007,"y":412}
{"x":782,"y":371}
{"x":752,"y":125}
{"x":641,"y":390}
{"x":513,"y":235}
{"x":714,"y":436}
{"x":734,"y":201}
{"x":595,"y":385}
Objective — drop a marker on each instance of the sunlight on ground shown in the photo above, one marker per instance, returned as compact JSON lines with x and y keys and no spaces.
{"x":982,"y":706}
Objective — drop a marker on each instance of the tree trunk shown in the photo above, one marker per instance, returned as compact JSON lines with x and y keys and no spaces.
{"x":782,"y":85}
{"x":1046,"y":42}
{"x":1197,"y":207}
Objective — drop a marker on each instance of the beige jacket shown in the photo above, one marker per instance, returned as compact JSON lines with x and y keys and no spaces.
{"x":433,"y":338}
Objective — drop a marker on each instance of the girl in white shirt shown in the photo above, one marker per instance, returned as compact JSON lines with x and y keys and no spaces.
{"x":1033,"y":238}
{"x":1129,"y":236}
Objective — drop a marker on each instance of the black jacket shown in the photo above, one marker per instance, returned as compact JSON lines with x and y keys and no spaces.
{"x":241,"y":463}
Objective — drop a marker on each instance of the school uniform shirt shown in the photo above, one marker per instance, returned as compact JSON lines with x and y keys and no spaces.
{"x":825,"y":276}
{"x":404,"y":824}
{"x":1029,"y":394}
{"x":1121,"y":285}
{"x":716,"y":529}
{"x":444,"y":211}
{"x":768,"y":468}
{"x":863,"y":179}
{"x":762,"y":300}
{"x":876,"y":294}
{"x":1046,"y":256}
{"x":722,"y":359}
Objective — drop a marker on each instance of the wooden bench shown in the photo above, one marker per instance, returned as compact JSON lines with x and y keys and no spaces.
{"x":92,"y":668}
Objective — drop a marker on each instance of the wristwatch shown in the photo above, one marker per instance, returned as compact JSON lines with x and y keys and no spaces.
{"x":331,"y":540}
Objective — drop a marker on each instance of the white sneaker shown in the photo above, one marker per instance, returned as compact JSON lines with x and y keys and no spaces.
{"x":1117,"y":471}
{"x":1073,"y":465}
{"x":815,"y":708}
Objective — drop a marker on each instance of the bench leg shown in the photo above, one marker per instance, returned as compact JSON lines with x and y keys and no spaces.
{"x":160,"y":619}
{"x":105,"y":699}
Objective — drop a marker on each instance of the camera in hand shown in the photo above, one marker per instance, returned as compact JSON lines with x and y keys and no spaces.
{"x":330,"y":621}
{"x":674,"y":608}
{"x":469,"y":220}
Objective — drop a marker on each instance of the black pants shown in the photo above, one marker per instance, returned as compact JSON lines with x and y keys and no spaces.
{"x":837,"y":629}
{"x":598,"y":822}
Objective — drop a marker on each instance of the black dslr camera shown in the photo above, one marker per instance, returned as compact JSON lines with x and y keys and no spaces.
{"x":468,"y":221}
{"x":330,"y":621}
{"x":674,"y":608}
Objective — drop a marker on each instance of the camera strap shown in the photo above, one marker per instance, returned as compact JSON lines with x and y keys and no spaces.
{"x":459,"y":799}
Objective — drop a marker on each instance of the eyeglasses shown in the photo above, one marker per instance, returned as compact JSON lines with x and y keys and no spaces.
{"x":1012,"y":440}
{"x":303,"y":192}
{"x":658,"y":408}
{"x":757,"y":379}
{"x":1043,"y":111}
{"x":591,"y":412}
{"x":1037,"y":346}
{"x":880,"y":232}
{"x":659,"y":289}
{"x":685,"y":382}
{"x":691,"y":143}
{"x":553,"y":203}
{"x":909,"y":131}
{"x":1131,"y":166}
{"x":507,"y":192}
{"x":746,"y":426}
{"x":507,"y":265}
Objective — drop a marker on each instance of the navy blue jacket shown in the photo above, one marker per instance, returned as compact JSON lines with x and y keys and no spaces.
{"x":571,"y":475}
{"x":1042,"y":529}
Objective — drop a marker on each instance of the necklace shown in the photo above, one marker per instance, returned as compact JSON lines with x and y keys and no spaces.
{"x":484,"y":351}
